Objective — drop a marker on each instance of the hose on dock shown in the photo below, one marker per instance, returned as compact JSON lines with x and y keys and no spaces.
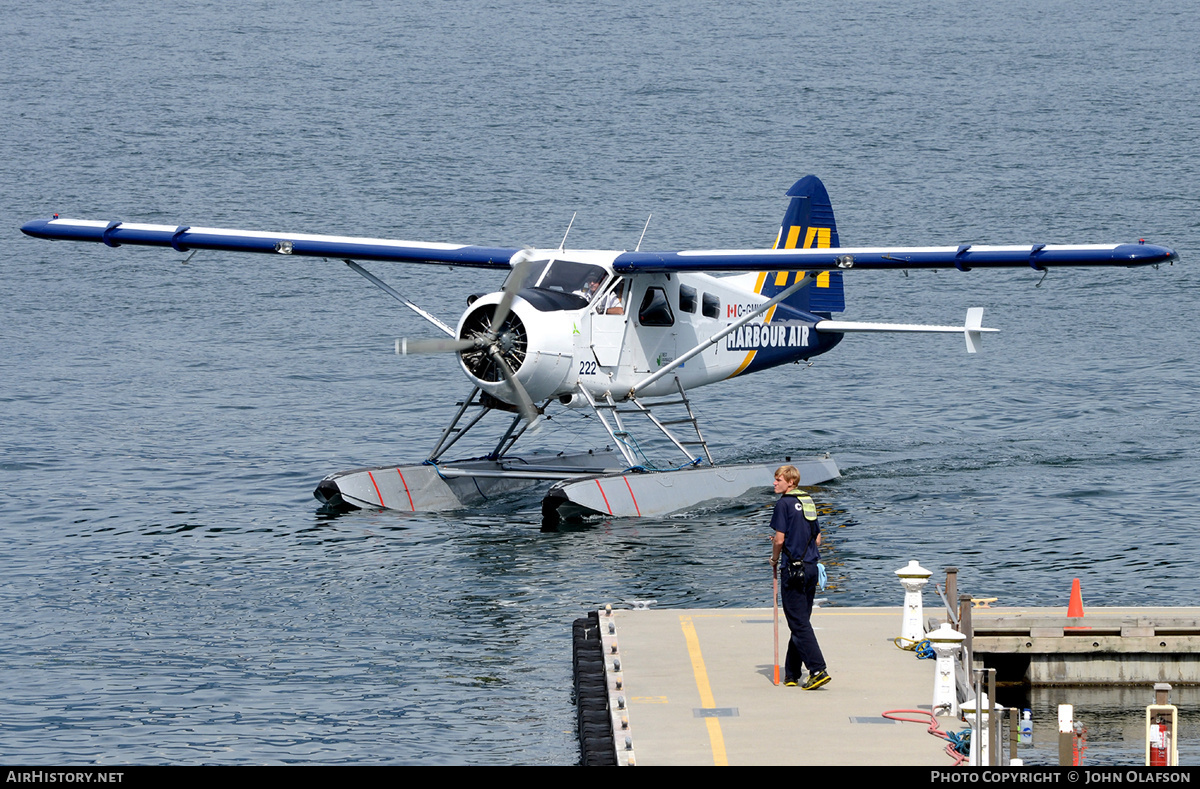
{"x":957,"y":745}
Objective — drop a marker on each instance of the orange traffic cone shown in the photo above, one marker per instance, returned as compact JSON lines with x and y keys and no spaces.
{"x":1075,"y":607}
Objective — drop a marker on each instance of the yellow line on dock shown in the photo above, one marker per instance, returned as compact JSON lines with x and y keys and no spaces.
{"x":715,"y":738}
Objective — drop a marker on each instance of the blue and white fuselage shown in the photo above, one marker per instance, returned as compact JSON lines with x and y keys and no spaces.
{"x":611,"y":339}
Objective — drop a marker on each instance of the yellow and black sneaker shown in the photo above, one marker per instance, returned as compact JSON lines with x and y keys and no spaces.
{"x":790,"y":682}
{"x":820,"y":679}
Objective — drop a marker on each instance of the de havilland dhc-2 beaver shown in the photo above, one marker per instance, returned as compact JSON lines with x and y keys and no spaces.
{"x":623,"y":334}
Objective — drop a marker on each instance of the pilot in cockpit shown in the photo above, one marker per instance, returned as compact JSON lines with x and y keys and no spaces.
{"x":611,"y":304}
{"x":590,"y":286}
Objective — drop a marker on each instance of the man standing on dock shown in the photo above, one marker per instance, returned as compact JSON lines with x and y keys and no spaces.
{"x":797,"y":537}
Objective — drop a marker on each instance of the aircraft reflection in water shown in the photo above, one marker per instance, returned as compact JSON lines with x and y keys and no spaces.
{"x":623,"y":334}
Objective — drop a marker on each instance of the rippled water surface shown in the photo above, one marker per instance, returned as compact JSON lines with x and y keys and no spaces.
{"x":168,"y":591}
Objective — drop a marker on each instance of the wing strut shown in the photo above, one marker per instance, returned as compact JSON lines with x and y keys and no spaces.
{"x":395,"y":294}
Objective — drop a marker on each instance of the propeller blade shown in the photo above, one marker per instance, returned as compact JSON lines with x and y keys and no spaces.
{"x":524,"y":402}
{"x":405,"y":346}
{"x":511,"y":286}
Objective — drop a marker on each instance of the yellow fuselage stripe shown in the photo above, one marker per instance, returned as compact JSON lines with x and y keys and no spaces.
{"x":715,"y":738}
{"x":745,"y":363}
{"x":758,"y":287}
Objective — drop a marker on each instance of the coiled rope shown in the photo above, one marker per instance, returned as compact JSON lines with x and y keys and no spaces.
{"x":923,"y":649}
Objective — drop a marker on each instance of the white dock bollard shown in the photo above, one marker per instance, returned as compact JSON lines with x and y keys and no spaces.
{"x":913,"y":578}
{"x":946,"y":642}
{"x":978,"y":714}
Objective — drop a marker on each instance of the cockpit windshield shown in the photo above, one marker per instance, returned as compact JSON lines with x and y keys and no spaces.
{"x":533,"y":273}
{"x":567,"y":277}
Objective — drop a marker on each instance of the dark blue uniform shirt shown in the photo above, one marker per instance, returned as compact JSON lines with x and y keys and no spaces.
{"x":799,"y":538}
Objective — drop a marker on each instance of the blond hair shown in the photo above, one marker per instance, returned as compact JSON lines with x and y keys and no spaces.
{"x":788,"y":473}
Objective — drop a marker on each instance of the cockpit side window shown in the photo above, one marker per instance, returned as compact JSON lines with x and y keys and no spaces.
{"x":612,"y":301}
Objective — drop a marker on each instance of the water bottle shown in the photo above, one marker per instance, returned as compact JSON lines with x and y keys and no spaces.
{"x":1026,"y":733}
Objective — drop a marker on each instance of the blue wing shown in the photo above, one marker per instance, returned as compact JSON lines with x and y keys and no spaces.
{"x":185,"y":238}
{"x":963,"y":257}
{"x":808,"y":241}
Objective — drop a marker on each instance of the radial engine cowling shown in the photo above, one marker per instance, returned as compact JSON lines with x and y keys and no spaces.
{"x":537,"y":346}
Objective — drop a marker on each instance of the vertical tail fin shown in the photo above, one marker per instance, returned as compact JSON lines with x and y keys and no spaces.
{"x":808,"y":224}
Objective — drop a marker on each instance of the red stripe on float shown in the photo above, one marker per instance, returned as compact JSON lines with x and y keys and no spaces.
{"x":405,"y":484}
{"x":606,"y":504}
{"x":635,"y":504}
{"x":377,"y":493}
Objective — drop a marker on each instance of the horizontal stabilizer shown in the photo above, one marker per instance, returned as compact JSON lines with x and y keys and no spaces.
{"x":972,"y":329}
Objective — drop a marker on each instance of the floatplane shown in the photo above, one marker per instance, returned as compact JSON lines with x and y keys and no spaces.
{"x":623,"y":334}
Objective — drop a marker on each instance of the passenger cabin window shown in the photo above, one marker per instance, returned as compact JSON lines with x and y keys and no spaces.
{"x":655,"y":309}
{"x":687,"y":299}
{"x":711,"y":306}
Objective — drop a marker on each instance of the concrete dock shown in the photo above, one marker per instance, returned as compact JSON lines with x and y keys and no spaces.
{"x":697,"y":684}
{"x":1106,"y":646}
{"x":699,"y":690}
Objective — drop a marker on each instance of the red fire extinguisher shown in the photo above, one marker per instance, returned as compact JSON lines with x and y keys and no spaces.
{"x":1160,"y":743}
